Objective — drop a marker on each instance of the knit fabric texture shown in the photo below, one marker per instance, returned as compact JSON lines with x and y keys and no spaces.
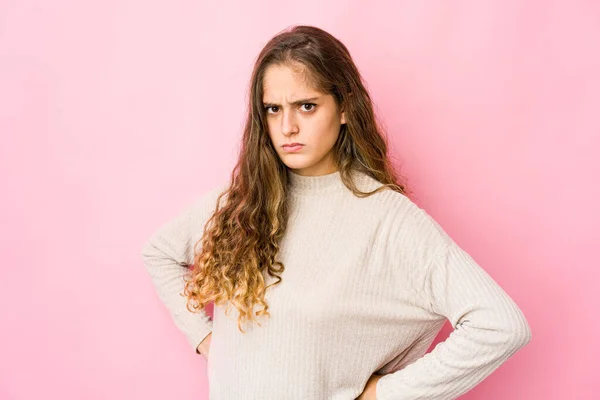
{"x":368,"y":284}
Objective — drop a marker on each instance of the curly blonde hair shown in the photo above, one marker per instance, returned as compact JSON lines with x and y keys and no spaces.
{"x":240,"y":242}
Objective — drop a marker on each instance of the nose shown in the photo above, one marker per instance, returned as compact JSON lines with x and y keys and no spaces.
{"x":289,"y":125}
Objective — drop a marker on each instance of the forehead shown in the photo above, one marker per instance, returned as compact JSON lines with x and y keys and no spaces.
{"x":288,"y":82}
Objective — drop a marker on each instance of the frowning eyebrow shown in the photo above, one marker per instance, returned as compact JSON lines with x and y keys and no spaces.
{"x":294,"y":103}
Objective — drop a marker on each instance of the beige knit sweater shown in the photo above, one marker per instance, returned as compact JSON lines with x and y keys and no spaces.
{"x":368,"y":284}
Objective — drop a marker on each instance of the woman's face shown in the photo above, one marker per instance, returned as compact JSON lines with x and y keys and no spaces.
{"x":298,"y":113}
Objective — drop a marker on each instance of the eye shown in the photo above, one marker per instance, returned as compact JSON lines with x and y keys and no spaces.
{"x":271,"y":107}
{"x":311,"y":106}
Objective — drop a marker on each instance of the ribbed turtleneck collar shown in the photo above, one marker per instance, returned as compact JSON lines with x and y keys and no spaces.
{"x":319,"y":183}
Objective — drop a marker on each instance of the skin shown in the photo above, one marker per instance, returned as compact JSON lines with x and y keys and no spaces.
{"x":369,"y":392}
{"x":204,"y":346}
{"x":298,"y":112}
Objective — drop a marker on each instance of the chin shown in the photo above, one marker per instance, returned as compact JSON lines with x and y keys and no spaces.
{"x":297,"y":164}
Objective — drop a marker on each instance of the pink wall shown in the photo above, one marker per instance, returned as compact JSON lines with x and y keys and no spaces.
{"x":115,"y":114}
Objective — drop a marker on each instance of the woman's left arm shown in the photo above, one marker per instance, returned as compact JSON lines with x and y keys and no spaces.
{"x":488,"y":329}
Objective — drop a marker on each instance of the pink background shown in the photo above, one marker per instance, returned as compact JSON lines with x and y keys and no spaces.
{"x":117,"y":114}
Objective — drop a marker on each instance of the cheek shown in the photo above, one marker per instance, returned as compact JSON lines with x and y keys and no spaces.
{"x":271,"y":129}
{"x":327,"y":126}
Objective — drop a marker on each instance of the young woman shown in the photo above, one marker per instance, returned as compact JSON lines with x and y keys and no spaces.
{"x":328,"y":282}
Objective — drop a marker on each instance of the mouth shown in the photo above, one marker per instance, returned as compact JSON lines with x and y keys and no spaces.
{"x":292,"y":147}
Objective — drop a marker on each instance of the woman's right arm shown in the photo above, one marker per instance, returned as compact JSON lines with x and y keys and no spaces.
{"x":167,"y":255}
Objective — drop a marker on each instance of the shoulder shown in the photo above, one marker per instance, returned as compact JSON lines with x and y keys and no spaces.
{"x":197,"y":212}
{"x":207,"y":200}
{"x":407,"y":227}
{"x":395,"y":205}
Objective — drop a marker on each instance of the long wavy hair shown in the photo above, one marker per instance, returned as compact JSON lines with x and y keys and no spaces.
{"x":240,"y":242}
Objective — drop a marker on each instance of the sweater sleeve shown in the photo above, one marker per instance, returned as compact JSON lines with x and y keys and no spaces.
{"x":488,"y":326}
{"x":167,"y":255}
